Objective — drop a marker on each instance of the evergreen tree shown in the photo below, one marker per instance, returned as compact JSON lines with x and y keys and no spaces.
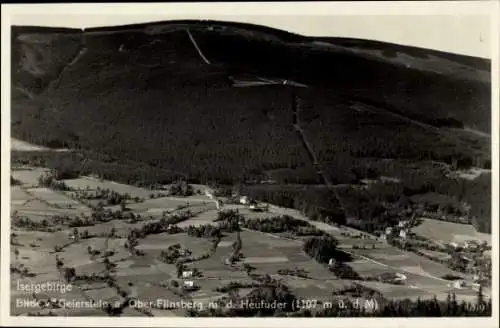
{"x":480,"y":297}
{"x":454,"y":305}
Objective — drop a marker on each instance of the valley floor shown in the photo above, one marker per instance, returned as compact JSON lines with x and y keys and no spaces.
{"x":146,"y":278}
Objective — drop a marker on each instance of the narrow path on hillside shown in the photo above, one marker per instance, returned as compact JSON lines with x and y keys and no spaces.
{"x":57,"y":80}
{"x":20,"y":145}
{"x":478,"y":133}
{"x":197,"y":48}
{"x":73,"y":61}
{"x":24,"y":92}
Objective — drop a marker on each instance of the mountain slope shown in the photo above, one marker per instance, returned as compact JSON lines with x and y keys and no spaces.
{"x":214,"y":101}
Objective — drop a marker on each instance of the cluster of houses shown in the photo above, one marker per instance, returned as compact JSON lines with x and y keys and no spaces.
{"x":188,"y":284}
{"x":470,"y":245}
{"x":460,"y":284}
{"x":403,"y":229}
{"x":243,"y":200}
{"x":219,"y":203}
{"x":252,"y":204}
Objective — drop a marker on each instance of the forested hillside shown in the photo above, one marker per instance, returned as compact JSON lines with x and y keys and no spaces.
{"x":161,"y":97}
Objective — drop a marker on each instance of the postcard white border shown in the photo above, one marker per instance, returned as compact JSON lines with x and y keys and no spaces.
{"x":199,"y":10}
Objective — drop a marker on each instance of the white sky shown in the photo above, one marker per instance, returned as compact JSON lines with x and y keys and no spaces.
{"x":462,"y":27}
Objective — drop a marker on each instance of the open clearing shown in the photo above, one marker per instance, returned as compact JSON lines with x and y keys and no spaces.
{"x":85,"y":183}
{"x":28,"y":177}
{"x":448,"y":232}
{"x":19,"y":145}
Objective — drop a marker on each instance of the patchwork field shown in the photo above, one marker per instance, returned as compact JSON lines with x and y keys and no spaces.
{"x":406,"y":261}
{"x":143,"y":274}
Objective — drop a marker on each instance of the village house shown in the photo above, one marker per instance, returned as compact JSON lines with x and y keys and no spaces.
{"x":244,"y":200}
{"x":403,"y":233}
{"x":388,"y":230}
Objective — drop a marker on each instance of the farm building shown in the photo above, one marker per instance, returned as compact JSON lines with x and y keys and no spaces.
{"x":466,"y":258}
{"x":479,"y":278}
{"x":394,"y":278}
{"x":353,"y":220}
{"x":400,"y":277}
{"x":209,"y":194}
{"x":188,"y":284}
{"x":403,"y":234}
{"x":187,"y":274}
{"x":471,"y":244}
{"x":402,"y":223}
{"x":389,"y":179}
{"x":458,"y":284}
